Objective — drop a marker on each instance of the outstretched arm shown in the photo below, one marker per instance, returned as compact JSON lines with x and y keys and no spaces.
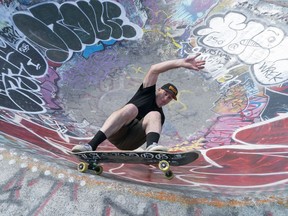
{"x":156,"y":69}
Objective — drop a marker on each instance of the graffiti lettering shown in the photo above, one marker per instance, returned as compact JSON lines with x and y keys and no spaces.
{"x":18,"y":85}
{"x":270,"y":73}
{"x":110,"y":204}
{"x":62,"y":29}
{"x":253,"y":43}
{"x":9,"y":34}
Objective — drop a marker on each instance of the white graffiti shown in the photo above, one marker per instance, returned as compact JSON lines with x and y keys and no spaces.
{"x":255,"y":44}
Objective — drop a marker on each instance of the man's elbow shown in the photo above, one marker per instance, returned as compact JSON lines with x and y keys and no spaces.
{"x":154,"y":69}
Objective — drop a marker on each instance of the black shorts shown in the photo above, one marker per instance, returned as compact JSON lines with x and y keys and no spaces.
{"x":129,"y":137}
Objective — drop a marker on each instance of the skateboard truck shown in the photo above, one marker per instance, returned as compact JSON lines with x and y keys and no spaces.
{"x":83,"y":167}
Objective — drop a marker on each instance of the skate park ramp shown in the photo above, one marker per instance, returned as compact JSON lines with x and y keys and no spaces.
{"x":67,"y":65}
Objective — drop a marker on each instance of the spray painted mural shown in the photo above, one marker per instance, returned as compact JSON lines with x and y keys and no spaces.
{"x":66,"y":65}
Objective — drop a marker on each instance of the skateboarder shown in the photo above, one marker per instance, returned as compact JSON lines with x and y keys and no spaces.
{"x":142,"y":118}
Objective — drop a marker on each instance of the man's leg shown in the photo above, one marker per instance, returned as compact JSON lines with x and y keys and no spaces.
{"x":152,"y":125}
{"x":119,"y":118}
{"x":113,"y":123}
{"x":97,"y":140}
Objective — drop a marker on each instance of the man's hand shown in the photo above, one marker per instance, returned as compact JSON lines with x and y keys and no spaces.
{"x":191,"y":63}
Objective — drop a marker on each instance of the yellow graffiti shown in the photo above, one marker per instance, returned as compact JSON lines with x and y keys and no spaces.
{"x":189,"y":146}
{"x":234,"y":101}
{"x":179,"y":102}
{"x":165,"y":35}
{"x":224,"y":78}
{"x":137,"y":69}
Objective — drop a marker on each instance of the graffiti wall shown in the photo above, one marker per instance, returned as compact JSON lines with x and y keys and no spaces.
{"x":66,"y":65}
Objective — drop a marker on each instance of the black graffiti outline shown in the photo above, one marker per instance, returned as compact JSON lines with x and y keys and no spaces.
{"x":19,"y":87}
{"x":48,"y":25}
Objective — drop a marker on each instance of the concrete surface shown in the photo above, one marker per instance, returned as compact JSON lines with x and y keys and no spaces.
{"x":66,"y":65}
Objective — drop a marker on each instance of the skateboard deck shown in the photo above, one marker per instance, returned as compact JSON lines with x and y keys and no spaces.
{"x":91,"y":159}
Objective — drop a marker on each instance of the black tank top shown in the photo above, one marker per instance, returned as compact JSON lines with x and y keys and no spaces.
{"x":145,"y":100}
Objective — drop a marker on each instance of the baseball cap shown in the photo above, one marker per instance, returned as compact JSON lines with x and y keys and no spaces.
{"x":171,"y":89}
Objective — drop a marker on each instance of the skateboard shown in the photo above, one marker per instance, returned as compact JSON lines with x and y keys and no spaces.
{"x":91,"y":160}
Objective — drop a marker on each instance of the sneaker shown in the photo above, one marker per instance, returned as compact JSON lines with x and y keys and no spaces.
{"x":82,"y":148}
{"x":140,"y":149}
{"x":156,"y":147}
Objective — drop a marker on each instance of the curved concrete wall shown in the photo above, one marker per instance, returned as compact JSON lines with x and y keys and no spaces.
{"x":65,"y":66}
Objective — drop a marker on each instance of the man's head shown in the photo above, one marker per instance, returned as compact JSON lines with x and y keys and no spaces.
{"x":171,"y":89}
{"x":165,"y":94}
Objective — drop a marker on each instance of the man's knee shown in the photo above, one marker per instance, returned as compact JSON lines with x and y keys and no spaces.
{"x":153,"y":117}
{"x":129,"y":110}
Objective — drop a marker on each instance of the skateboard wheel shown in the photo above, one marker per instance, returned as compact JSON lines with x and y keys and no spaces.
{"x":82,"y":167}
{"x":164,"y":165}
{"x":98,"y":170}
{"x":169,"y":174}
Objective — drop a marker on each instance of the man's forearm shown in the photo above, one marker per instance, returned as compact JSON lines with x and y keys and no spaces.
{"x":166,"y":65}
